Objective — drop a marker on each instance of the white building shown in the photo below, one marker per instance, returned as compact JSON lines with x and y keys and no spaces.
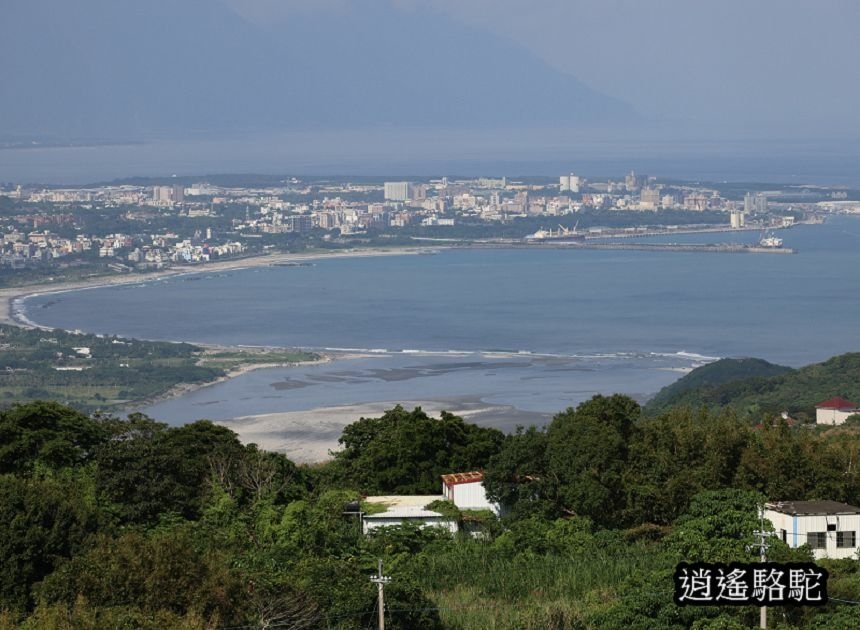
{"x":168,"y":195}
{"x":755,"y":203}
{"x":402,"y":509}
{"x":737,"y":220}
{"x":397,"y":191}
{"x":829,"y":527}
{"x":835,"y":411}
{"x":569,"y":182}
{"x":466,"y":491}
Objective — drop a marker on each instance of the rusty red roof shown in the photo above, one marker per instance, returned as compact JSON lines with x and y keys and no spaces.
{"x":836,"y":403}
{"x":467,"y":477}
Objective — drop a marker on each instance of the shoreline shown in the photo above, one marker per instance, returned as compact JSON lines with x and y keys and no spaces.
{"x":12,"y":312}
{"x":181,"y":389}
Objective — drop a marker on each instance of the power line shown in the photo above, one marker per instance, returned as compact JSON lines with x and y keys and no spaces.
{"x":843,"y":601}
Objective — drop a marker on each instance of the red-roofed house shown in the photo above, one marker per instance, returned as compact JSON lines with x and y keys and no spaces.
{"x":835,"y":410}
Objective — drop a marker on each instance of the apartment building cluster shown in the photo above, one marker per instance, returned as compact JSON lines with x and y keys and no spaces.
{"x":42,"y":226}
{"x":20,"y":250}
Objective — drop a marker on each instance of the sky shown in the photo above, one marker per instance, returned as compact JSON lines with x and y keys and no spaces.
{"x":431,"y":86}
{"x":746,"y":66}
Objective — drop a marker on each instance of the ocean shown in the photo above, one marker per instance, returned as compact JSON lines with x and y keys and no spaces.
{"x":531,"y":329}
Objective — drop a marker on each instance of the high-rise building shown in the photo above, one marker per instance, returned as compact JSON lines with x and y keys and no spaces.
{"x":397,"y":191}
{"x":649,"y":198}
{"x":570,"y":183}
{"x":418,"y":192}
{"x":631,"y":182}
{"x":298,"y":223}
{"x":168,"y":195}
{"x":755,"y":203}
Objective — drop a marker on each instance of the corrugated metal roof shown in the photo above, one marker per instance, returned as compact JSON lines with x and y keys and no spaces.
{"x":808,"y":508}
{"x":467,"y":477}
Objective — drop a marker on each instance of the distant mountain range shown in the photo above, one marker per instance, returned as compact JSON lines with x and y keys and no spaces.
{"x":129,"y":69}
{"x":754,"y":387}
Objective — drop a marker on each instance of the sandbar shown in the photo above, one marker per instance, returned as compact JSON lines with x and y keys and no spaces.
{"x":310,"y":436}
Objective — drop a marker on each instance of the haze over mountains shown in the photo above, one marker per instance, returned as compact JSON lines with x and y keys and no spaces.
{"x":125,"y":69}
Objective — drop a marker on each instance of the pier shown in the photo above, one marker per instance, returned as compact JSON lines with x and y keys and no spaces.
{"x":715,"y":248}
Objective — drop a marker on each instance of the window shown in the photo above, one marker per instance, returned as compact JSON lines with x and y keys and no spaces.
{"x":817,"y":540}
{"x":846,"y":539}
{"x":831,"y":528}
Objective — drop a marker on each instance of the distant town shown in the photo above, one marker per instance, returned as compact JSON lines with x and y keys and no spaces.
{"x":153,"y":224}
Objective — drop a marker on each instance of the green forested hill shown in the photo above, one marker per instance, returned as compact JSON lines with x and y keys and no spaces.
{"x":754,"y":386}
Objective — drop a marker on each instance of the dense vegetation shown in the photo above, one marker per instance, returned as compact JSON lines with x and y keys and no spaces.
{"x":753,"y":387}
{"x":93,"y":372}
{"x":90,"y":371}
{"x":133,"y":524}
{"x":690,"y":387}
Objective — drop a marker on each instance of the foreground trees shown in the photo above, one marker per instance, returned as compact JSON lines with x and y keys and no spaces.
{"x":405,"y":452}
{"x":132,"y":523}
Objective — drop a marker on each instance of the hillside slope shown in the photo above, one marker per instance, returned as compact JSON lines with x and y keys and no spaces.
{"x":754,"y":387}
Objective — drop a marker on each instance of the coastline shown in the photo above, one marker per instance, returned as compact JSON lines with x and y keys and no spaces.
{"x":13,"y":313}
{"x":181,"y":389}
{"x":304,"y":435}
{"x":12,"y":298}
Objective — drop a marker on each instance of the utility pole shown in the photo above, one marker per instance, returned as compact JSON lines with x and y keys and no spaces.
{"x":380,"y":581}
{"x":761,"y":536}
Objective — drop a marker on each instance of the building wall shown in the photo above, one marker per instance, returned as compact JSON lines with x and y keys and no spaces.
{"x":794,"y":529}
{"x":469,"y":496}
{"x":396,"y":191}
{"x":369,"y":524}
{"x":832,"y":416}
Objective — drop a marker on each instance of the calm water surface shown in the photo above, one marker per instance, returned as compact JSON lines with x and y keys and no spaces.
{"x":534,"y":329}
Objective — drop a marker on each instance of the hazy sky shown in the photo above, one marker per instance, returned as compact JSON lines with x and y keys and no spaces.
{"x":745,"y":64}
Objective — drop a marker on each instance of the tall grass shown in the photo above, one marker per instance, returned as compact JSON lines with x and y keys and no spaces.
{"x":475,"y":586}
{"x":530,"y":576}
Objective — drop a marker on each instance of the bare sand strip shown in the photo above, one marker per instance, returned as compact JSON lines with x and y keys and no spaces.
{"x":309,"y":436}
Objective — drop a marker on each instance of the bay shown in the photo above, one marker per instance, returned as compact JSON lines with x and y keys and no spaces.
{"x":532,"y":330}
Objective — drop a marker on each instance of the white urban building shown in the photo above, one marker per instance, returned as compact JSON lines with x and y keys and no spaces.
{"x":397,"y":191}
{"x":836,"y":410}
{"x":570,"y":183}
{"x":466,"y":491}
{"x":828,"y":527}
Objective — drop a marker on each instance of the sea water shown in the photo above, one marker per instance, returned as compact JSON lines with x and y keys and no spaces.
{"x":536,"y":329}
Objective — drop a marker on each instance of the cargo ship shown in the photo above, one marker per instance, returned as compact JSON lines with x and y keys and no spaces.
{"x":561,"y":235}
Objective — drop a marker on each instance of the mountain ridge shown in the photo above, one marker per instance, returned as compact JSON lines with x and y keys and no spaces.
{"x":118,"y":68}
